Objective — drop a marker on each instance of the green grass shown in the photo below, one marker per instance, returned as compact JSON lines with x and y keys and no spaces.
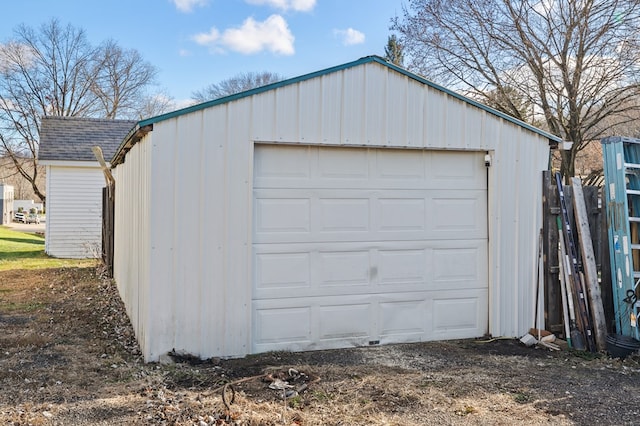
{"x":19,"y":250}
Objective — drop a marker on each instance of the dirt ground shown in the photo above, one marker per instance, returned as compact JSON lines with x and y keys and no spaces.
{"x":68,"y":357}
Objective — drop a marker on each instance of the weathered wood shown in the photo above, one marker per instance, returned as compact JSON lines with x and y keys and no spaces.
{"x":589,"y":265}
{"x":553,"y":305}
{"x":108,"y":214}
{"x":598,"y":226}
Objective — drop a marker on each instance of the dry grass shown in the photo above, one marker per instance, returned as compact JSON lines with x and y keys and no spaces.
{"x":68,"y":357}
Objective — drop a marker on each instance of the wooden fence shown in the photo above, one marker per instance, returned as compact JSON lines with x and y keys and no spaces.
{"x":598,"y":228}
{"x":107,"y":228}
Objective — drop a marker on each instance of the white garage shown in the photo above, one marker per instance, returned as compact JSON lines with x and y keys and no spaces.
{"x":357,"y":205}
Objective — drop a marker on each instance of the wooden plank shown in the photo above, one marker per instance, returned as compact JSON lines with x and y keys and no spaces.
{"x":589,"y":265}
{"x":552,"y":299}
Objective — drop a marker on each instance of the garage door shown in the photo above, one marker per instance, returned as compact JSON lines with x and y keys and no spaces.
{"x":367,"y":246}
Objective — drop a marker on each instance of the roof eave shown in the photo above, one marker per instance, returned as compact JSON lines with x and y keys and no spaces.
{"x":134,"y":135}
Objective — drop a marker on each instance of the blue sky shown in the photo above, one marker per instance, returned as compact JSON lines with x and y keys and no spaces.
{"x":194,"y":43}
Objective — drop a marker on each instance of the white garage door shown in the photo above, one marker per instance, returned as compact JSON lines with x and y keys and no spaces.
{"x":364,"y":246}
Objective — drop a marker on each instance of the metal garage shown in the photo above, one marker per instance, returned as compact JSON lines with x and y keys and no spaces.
{"x":356,"y":205}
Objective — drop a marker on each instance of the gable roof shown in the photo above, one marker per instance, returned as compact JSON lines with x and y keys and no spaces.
{"x":71,"y":138}
{"x":146,"y":125}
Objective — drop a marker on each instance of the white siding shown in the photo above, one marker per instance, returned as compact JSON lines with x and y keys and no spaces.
{"x":198,"y":260}
{"x":74,"y":212}
{"x":132,"y":241}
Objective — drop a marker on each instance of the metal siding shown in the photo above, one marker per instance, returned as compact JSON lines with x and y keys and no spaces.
{"x":74,"y":212}
{"x":454,"y":124}
{"x":374,"y":103}
{"x":238,"y":202}
{"x":263,"y":125}
{"x":131,"y":238}
{"x":161,"y":304}
{"x":215,"y":147}
{"x":353,"y":107}
{"x":474,"y":128}
{"x":287,"y":113}
{"x":515,"y":220}
{"x":213,"y":262}
{"x":187,"y":217}
{"x":414,"y":116}
{"x":435,"y":119}
{"x":310,"y":111}
{"x":396,"y":110}
{"x":331,"y":109}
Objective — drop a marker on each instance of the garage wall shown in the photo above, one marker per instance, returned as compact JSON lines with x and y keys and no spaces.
{"x":199,"y":279}
{"x":132,"y":241}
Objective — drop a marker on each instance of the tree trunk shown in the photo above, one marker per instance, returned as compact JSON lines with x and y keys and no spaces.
{"x":567,"y":165}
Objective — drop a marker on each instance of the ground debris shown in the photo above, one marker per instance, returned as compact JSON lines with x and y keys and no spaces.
{"x":68,"y":356}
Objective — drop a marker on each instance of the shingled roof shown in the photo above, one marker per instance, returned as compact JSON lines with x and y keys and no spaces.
{"x":71,"y":138}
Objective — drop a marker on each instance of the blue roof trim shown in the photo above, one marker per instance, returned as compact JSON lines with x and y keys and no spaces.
{"x":257,"y":90}
{"x":467,"y":100}
{"x":365,"y":60}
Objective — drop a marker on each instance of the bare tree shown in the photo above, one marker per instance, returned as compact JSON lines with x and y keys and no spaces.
{"x":236,"y":84}
{"x":55,"y":71}
{"x":155,"y":104}
{"x":574,"y":61}
{"x":121,"y":77}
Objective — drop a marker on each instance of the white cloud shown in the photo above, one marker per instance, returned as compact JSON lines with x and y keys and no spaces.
{"x":296,"y":5}
{"x":206,"y":39}
{"x":188,"y":5}
{"x":252,"y":36}
{"x":184,"y":52}
{"x":350,"y":36}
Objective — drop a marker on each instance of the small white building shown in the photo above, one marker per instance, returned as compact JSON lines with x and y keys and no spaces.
{"x":75,"y":181}
{"x":357,"y":205}
{"x":28,"y":205}
{"x":6,"y":204}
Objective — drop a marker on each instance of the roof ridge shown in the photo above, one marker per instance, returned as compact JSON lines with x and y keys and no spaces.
{"x":75,"y":118}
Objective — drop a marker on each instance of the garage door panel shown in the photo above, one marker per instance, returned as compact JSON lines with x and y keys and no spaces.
{"x":400,"y":165}
{"x":404,"y":320}
{"x":321,"y":269}
{"x":282,"y":270}
{"x":460,"y":315}
{"x":358,"y":245}
{"x":404,"y":266}
{"x":456,"y":265}
{"x":343,"y":215}
{"x":275,"y":166}
{"x":299,"y":215}
{"x":344,"y":321}
{"x":331,"y":322}
{"x":335,"y":165}
{"x":283,"y":215}
{"x":459,"y":213}
{"x":324,"y":167}
{"x":283,"y":325}
{"x":456,"y":169}
{"x":344,"y":268}
{"x":402,"y":215}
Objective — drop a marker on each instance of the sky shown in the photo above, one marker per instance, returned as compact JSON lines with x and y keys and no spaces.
{"x":194,"y":43}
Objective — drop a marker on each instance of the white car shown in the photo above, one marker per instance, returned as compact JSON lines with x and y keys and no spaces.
{"x":20,"y":217}
{"x":33,"y":218}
